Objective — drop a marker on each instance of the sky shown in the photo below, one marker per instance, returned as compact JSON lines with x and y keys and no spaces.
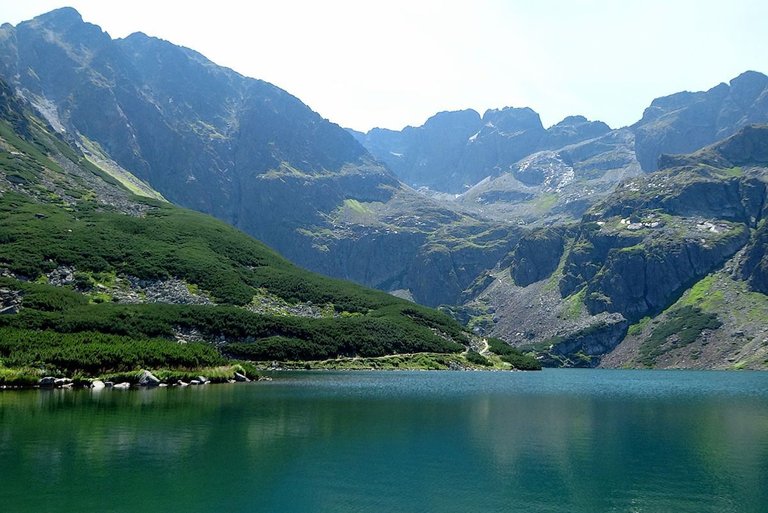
{"x":365,"y":64}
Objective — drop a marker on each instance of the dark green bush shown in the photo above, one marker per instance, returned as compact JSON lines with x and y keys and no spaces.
{"x":478,"y":359}
{"x":97,"y":353}
{"x":513,"y":356}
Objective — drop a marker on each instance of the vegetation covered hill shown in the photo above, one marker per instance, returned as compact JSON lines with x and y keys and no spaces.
{"x":96,"y":280}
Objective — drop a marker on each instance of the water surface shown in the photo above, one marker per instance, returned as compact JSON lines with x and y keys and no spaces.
{"x":554,"y":441}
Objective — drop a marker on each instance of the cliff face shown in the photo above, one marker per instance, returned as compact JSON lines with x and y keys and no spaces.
{"x":754,"y":266}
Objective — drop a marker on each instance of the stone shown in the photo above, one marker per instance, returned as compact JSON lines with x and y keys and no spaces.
{"x":123,"y":386}
{"x":97,"y":384}
{"x":147,"y":379}
{"x":47,"y":382}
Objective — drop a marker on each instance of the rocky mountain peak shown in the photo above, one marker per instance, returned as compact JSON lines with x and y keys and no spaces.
{"x":63,"y":17}
{"x":572,"y":120}
{"x":512,"y":119}
{"x":206,"y":137}
{"x":748,"y":87}
{"x":66,"y":24}
{"x":684,"y":122}
{"x":573,"y":129}
{"x":457,"y":119}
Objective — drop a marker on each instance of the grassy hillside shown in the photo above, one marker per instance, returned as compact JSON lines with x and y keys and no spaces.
{"x":97,"y":280}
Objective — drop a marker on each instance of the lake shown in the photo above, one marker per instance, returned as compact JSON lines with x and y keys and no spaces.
{"x":552,"y":441}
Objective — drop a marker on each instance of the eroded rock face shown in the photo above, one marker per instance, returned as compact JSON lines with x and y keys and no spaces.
{"x":586,"y":347}
{"x":536,"y":255}
{"x":643,"y":279}
{"x":754,"y":265}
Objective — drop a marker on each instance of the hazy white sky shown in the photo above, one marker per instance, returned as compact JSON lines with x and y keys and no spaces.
{"x":390,"y":64}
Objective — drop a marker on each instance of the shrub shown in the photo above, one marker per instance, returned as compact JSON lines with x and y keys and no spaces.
{"x":478,"y":359}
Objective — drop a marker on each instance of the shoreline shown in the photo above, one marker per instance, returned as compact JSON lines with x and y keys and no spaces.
{"x":253,"y":371}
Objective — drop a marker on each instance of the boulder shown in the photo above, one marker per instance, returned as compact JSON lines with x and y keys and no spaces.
{"x":47,"y":382}
{"x":147,"y":379}
{"x":97,"y":384}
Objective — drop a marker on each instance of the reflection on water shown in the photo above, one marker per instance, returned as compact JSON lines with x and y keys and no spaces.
{"x":570,"y":441}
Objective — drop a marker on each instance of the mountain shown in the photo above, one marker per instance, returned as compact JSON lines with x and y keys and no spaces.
{"x":667,"y":271}
{"x":685,"y":122}
{"x":96,"y":280}
{"x":246,"y":152}
{"x":202,"y":135}
{"x":454,"y":150}
{"x":506,"y":166}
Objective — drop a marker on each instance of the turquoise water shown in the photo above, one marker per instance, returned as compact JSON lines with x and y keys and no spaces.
{"x":554,"y":441}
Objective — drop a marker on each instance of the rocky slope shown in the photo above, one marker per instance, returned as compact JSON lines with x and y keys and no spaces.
{"x":625,"y":266}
